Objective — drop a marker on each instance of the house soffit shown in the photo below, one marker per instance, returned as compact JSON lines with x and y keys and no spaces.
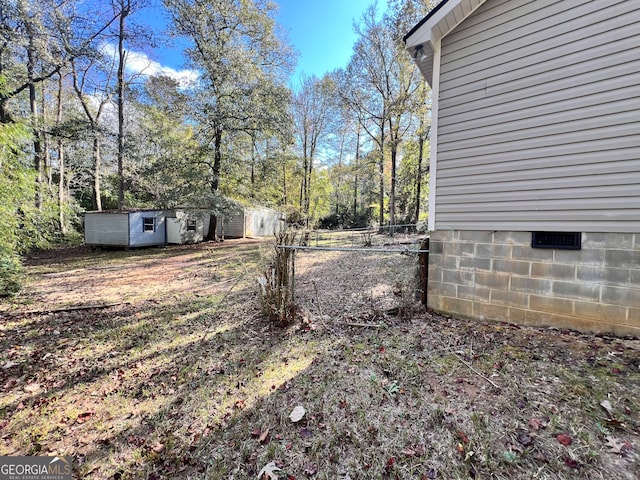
{"x":422,"y":39}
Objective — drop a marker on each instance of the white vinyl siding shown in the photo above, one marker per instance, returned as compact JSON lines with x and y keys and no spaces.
{"x":539,"y":118}
{"x":106,"y":229}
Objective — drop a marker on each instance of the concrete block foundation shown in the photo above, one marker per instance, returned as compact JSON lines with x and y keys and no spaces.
{"x":499,"y":276}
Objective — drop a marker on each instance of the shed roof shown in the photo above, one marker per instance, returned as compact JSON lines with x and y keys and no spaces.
{"x":422,"y":39}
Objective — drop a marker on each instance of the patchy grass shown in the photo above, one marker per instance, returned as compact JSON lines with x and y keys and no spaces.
{"x":184,"y":378}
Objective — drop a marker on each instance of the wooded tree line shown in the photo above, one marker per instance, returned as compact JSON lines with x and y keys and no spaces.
{"x":89,"y":122}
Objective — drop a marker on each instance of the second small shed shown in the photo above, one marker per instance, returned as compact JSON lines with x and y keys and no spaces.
{"x":250,"y":222}
{"x":186,"y":226}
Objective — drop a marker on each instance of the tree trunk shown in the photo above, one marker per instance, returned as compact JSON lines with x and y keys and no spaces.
{"x":217,"y":159}
{"x":381,"y":171}
{"x":97,"y":166}
{"x":213,"y":224}
{"x":392,"y":191}
{"x":46,"y":163}
{"x":5,"y":117}
{"x":33,"y":105}
{"x":355,"y":175}
{"x":60,"y":148}
{"x":284,"y":182}
{"x":303,"y":187}
{"x":307,"y":199}
{"x":126,"y":5}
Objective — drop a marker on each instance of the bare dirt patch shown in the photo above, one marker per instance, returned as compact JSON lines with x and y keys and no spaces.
{"x":185,"y":378}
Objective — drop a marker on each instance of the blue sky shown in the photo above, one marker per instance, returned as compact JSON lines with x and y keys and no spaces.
{"x":321,"y":31}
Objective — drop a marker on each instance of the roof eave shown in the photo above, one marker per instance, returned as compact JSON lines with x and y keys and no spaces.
{"x":422,"y":39}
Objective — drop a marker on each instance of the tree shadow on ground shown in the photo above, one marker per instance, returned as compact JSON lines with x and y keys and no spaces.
{"x":181,"y":386}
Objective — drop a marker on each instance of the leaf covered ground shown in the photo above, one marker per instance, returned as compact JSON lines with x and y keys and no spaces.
{"x":183,"y":377}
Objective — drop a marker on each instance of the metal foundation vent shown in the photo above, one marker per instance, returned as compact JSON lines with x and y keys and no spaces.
{"x":560,"y":240}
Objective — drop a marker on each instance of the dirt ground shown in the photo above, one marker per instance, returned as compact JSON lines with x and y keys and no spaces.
{"x":159,"y":363}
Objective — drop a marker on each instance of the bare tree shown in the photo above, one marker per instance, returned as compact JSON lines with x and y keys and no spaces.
{"x":44,"y":33}
{"x":377,"y":86}
{"x":312,"y":112}
{"x":93,"y":104}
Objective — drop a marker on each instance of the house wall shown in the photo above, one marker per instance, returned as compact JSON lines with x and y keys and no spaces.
{"x":499,"y":276}
{"x":538,"y":115}
{"x":106,"y":229}
{"x":138,"y":237}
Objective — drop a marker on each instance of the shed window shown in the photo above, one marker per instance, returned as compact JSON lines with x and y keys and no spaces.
{"x":191,"y":225}
{"x":148,"y":224}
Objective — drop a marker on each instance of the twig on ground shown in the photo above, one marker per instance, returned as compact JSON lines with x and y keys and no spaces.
{"x":365,"y":325}
{"x":69,"y":309}
{"x":470,"y":367}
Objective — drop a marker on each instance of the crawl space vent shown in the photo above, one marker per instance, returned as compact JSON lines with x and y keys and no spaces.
{"x":560,"y":240}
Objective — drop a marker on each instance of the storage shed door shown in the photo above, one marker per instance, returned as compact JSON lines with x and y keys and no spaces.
{"x":173,"y":230}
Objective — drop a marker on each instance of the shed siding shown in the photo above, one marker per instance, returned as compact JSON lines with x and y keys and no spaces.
{"x":106,"y":229}
{"x":233,"y":225}
{"x":262,"y":222}
{"x":539,"y":118}
{"x":138,"y":237}
{"x":177,"y":231}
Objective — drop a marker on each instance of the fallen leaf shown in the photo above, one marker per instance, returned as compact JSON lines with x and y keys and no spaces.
{"x":607,"y":406}
{"x":297,"y":414}
{"x":463,"y":437}
{"x":31,"y":387}
{"x":264,"y":436}
{"x":390,"y":463}
{"x":538,"y":423}
{"x":83,"y":417}
{"x":158,"y":447}
{"x":8,"y":365}
{"x":10,"y":384}
{"x":268,"y":472}
{"x":616,"y":445}
{"x":524,"y":439}
{"x":310,"y":471}
{"x":564,"y":439}
{"x":430,"y":475}
{"x":615,"y":423}
{"x":571,"y":463}
{"x":541,"y":457}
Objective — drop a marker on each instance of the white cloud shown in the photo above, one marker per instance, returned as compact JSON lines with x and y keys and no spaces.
{"x":139,"y":63}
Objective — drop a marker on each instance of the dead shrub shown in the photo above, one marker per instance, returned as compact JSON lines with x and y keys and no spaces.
{"x":277,"y":284}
